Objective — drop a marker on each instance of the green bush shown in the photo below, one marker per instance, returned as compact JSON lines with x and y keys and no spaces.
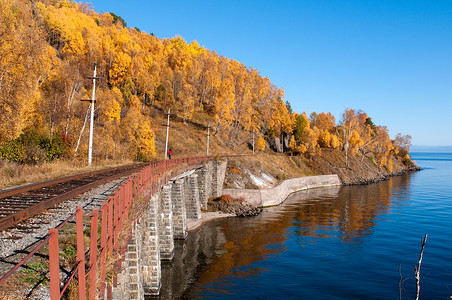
{"x":13,"y":151}
{"x":31,"y":137}
{"x":270,"y":133}
{"x":57,"y":147}
{"x":33,"y":147}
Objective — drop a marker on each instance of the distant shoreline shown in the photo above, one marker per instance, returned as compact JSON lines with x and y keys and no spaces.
{"x":430,"y":149}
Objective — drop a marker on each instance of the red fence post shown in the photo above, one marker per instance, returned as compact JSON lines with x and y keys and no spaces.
{"x":121,"y":204}
{"x":116,"y":220}
{"x":80,"y":254}
{"x":54,"y":265}
{"x":110,"y":224}
{"x":93,"y":255}
{"x":103,"y":247}
{"x":126,"y":199}
{"x":129,"y":192}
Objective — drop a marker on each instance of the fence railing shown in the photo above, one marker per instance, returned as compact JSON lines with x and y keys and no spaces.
{"x":113,"y":215}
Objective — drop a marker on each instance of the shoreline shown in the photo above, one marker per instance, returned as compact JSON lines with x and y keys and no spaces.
{"x":315,"y":182}
{"x":193,"y":225}
{"x":278,"y":194}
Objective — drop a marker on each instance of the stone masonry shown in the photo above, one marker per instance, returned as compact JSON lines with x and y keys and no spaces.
{"x":192,"y":205}
{"x":203,"y":186}
{"x":166,"y":224}
{"x":151,"y":268}
{"x":179,"y":212}
{"x":164,"y":219}
{"x":129,"y":280}
{"x":218,"y":173}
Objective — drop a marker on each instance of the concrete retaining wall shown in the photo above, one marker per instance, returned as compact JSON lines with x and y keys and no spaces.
{"x":277,"y":194}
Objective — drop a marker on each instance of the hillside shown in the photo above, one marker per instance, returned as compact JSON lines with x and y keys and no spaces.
{"x":49,"y":49}
{"x":266,"y":168}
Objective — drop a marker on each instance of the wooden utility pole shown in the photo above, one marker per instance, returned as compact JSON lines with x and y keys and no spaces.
{"x":91,"y":124}
{"x":253,"y":141}
{"x":167,"y":133}
{"x":208,"y":136}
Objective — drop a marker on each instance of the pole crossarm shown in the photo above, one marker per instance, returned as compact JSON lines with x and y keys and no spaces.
{"x":92,"y":101}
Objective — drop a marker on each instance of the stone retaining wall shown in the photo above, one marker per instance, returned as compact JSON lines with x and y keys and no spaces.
{"x":277,"y":194}
{"x":164,"y":219}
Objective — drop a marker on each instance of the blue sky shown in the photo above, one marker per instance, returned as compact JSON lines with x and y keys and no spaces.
{"x":391,"y":59}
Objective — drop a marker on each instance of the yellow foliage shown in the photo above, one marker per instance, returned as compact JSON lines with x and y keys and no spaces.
{"x":146,"y":141}
{"x":136,"y":130}
{"x":134,"y":103}
{"x":302,"y":149}
{"x":334,"y":142}
{"x":67,"y":22}
{"x":46,"y":53}
{"x":224,"y":104}
{"x":186,"y":100}
{"x":260,"y":143}
{"x":323,"y":121}
{"x":355,"y":141}
{"x":325,"y":139}
{"x":120,"y":68}
{"x":390,"y":165}
{"x":281,"y":121}
{"x":293,"y":144}
{"x":111,"y":109}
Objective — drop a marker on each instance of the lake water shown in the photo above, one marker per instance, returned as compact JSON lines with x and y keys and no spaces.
{"x":358,"y":242}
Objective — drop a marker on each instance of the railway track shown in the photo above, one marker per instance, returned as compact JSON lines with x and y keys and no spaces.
{"x":21,"y":203}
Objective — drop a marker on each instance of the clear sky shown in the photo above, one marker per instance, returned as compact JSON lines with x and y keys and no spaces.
{"x":389,"y":58}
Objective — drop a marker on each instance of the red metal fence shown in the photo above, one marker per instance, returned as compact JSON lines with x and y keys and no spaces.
{"x":113,"y":215}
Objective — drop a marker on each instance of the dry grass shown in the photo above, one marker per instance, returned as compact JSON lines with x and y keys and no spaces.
{"x":185,"y":139}
{"x":280,"y":166}
{"x":14,"y":174}
{"x":190,"y":139}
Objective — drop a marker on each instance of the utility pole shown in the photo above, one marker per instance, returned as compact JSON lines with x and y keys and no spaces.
{"x":91,"y":123}
{"x":253,"y":141}
{"x":167,"y":132}
{"x":208,"y":135}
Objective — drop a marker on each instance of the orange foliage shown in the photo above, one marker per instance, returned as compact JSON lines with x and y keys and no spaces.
{"x":48,"y":47}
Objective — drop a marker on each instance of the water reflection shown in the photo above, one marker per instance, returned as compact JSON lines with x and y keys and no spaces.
{"x":229,"y":248}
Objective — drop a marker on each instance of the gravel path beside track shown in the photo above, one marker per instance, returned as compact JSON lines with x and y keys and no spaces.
{"x":28,"y":233}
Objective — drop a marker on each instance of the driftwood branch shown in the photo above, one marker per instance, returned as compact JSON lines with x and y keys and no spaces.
{"x":417,"y":269}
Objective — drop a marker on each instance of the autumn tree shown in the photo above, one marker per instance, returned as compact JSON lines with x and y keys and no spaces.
{"x":402,"y":144}
{"x":348,"y":132}
{"x":301,"y":124}
{"x":260,"y":143}
{"x":25,"y":62}
{"x":47,"y":48}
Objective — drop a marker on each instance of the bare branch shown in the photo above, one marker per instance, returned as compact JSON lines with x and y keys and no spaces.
{"x":417,"y":269}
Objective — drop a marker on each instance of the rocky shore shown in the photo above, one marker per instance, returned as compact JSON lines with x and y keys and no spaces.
{"x":362,"y":180}
{"x":252,"y":173}
{"x":238,"y":207}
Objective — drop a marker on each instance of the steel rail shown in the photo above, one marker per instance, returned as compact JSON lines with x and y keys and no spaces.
{"x":35,"y":186}
{"x":177,"y":165}
{"x":21,"y":215}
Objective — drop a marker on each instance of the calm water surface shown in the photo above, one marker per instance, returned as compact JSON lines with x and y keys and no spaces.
{"x":334,"y":243}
